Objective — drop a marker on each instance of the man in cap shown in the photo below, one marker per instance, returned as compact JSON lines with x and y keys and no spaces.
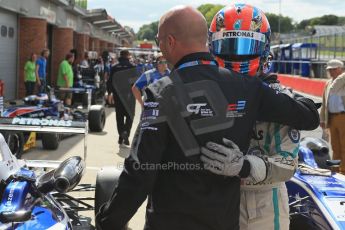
{"x":150,"y":76}
{"x":332,"y":113}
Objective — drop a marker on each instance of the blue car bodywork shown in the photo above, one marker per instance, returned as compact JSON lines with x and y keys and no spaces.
{"x":317,"y":200}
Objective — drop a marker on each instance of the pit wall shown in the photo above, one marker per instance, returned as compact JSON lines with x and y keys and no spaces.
{"x":306,"y":85}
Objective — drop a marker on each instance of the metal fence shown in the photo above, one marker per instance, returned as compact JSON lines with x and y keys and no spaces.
{"x":329,"y":46}
{"x":312,"y":69}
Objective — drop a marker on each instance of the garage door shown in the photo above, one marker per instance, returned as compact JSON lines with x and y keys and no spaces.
{"x":8,"y":52}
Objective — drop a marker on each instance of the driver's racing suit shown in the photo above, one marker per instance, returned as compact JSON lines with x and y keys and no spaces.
{"x":264,"y":205}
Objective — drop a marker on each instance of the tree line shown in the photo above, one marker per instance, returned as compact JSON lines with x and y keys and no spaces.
{"x":287,"y":24}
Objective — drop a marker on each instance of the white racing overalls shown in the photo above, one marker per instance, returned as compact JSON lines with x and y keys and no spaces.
{"x":264,"y":205}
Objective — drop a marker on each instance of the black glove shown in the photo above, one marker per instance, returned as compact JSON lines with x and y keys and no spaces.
{"x":307,"y":102}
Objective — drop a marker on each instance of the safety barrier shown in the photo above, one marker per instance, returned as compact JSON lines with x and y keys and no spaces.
{"x":307,"y":85}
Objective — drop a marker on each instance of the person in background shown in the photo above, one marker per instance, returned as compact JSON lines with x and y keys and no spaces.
{"x":74,"y":63}
{"x":123,"y":119}
{"x":140,"y":65}
{"x":41,"y":70}
{"x":150,"y":76}
{"x":148,"y":64}
{"x":99,"y":66}
{"x":113,"y":61}
{"x":107,"y":68}
{"x":85,"y":62}
{"x":30,"y":75}
{"x":65,"y":78}
{"x":332,"y":114}
{"x":110,"y":98}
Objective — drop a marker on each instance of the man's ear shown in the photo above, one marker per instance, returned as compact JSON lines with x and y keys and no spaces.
{"x":171,"y":41}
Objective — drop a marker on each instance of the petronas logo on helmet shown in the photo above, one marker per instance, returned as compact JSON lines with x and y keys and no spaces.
{"x":238,"y":24}
{"x":232,"y":34}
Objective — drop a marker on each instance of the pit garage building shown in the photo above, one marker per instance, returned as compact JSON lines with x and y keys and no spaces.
{"x":60,"y":25}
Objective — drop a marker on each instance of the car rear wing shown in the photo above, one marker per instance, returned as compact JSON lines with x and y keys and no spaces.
{"x":44,"y":125}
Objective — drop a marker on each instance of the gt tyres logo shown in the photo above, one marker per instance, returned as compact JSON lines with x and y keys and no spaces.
{"x":197,"y":108}
{"x":41,"y":122}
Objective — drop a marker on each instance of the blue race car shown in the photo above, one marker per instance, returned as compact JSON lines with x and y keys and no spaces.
{"x":33,"y":197}
{"x":31,"y":200}
{"x":48,"y":107}
{"x":316,"y":194}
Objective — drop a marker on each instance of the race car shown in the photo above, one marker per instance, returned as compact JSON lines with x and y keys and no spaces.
{"x":34,"y":198}
{"x":31,"y":199}
{"x":35,"y":106}
{"x":44,"y":106}
{"x":316,"y":194}
{"x":89,"y":79}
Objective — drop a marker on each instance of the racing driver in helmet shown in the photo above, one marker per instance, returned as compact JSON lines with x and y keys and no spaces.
{"x":239,"y":38}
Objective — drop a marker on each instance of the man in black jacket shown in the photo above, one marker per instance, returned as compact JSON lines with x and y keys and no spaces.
{"x":165,"y":162}
{"x":123,"y":119}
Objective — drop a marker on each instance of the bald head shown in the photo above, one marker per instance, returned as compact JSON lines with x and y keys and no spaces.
{"x":187,"y":25}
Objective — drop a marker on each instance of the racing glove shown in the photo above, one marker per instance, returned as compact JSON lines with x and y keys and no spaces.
{"x":258,"y":169}
{"x":307,"y":102}
{"x":228,"y":160}
{"x":222,"y":160}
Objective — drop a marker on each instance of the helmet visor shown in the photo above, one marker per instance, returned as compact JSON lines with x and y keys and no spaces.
{"x":227,"y":44}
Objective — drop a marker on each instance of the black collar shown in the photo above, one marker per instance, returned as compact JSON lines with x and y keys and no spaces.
{"x":194,"y":57}
{"x":124,"y":61}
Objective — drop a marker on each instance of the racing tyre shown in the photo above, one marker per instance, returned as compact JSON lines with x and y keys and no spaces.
{"x":107,"y":179}
{"x":97,"y":119}
{"x":50,"y":141}
{"x":15,"y":142}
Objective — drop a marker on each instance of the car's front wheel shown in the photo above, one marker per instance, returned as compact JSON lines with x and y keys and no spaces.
{"x":97,"y":119}
{"x":15,"y":141}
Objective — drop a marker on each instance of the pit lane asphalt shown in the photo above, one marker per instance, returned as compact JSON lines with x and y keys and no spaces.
{"x":103,"y":150}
